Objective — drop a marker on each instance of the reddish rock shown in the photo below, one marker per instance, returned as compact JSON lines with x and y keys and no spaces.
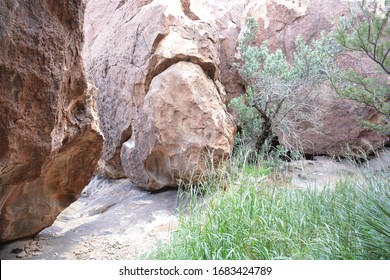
{"x":112,"y":37}
{"x":49,"y":136}
{"x":119,"y":38}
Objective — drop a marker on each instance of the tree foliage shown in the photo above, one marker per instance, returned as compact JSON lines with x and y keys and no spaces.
{"x":367,"y":31}
{"x":279,"y":94}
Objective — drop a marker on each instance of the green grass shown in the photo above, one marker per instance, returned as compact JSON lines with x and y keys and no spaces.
{"x":256,"y":171}
{"x":250,"y":220}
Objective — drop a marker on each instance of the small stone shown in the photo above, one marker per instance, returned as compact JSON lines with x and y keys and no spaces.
{"x":16,"y":250}
{"x":22,"y":255}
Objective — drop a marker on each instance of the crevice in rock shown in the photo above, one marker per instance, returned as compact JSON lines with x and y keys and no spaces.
{"x":112,"y":166}
{"x":297,"y":19}
{"x":208,"y":67}
{"x":156,"y":42}
{"x":126,"y":134}
{"x":120,"y":4}
{"x":282,"y":27}
{"x":185,"y":4}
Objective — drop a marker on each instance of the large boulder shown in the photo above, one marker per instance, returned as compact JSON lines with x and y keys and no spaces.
{"x":337,"y":129}
{"x":131,"y":48}
{"x":49,"y":136}
{"x":185,"y":129}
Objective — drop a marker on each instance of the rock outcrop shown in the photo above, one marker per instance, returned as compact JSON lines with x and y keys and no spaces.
{"x":338,"y":130}
{"x":49,"y":137}
{"x":156,"y":127}
{"x":132,"y":46}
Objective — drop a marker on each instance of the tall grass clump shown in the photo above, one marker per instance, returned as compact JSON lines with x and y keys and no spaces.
{"x":374,"y":217}
{"x":251,"y":219}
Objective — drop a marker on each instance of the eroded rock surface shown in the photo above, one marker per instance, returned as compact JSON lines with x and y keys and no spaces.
{"x":225,"y":17}
{"x":127,"y":57}
{"x":129,"y":43}
{"x":49,"y":136}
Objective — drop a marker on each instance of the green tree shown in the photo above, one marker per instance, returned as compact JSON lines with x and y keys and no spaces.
{"x":367,"y":31}
{"x":279,"y":94}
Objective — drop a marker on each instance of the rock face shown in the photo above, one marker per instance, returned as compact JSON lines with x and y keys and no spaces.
{"x":49,"y":137}
{"x":226,"y":17}
{"x":338,"y":131}
{"x":161,"y":101}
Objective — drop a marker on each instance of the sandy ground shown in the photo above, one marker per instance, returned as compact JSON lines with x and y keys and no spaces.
{"x":326,"y":172}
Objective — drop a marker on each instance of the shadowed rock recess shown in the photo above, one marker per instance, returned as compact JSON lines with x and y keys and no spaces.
{"x":49,"y":136}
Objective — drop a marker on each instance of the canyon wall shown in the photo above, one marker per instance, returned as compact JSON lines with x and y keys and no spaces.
{"x":49,"y":136}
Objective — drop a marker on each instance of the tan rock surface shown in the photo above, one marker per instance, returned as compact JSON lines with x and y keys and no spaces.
{"x":49,"y":139}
